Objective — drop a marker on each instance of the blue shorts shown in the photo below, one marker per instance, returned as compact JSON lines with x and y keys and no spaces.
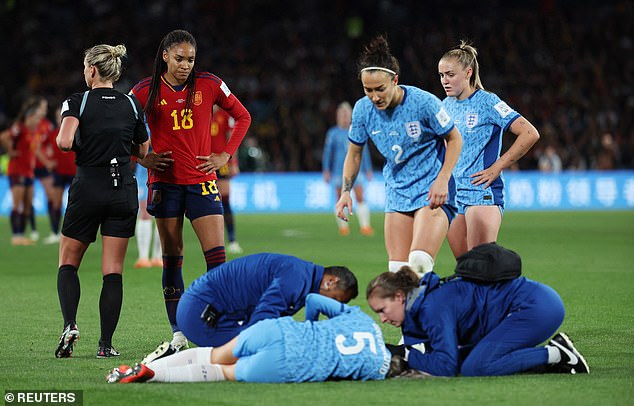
{"x":261,"y":353}
{"x":449,"y":210}
{"x":462,"y":208}
{"x":19,"y":180}
{"x":188,"y":313}
{"x":166,"y":200}
{"x":476,"y":196}
{"x":42,"y":173}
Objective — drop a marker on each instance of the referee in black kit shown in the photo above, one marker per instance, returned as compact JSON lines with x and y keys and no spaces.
{"x":104,"y":127}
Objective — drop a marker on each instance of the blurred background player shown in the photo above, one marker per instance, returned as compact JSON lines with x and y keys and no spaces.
{"x":19,"y":142}
{"x":178,"y":102}
{"x":63,"y":174}
{"x":148,"y":240}
{"x":221,"y":125}
{"x":44,"y":148}
{"x":335,"y":148}
{"x":481,"y":117}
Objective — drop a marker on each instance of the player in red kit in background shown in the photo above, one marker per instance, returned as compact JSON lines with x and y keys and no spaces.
{"x":44,"y":164}
{"x":221,"y":125}
{"x":178,"y":103}
{"x":63,"y":174}
{"x":19,"y":142}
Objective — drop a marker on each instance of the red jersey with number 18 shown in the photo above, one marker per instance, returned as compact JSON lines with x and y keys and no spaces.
{"x":187,"y":133}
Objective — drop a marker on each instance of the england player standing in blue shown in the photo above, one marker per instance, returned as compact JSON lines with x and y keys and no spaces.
{"x":475,"y":329}
{"x":335,"y":149}
{"x":217,"y":306}
{"x":482,"y":119}
{"x":348,"y":345}
{"x":414,"y":133}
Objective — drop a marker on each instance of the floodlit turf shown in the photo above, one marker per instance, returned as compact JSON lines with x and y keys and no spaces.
{"x":586,"y":257}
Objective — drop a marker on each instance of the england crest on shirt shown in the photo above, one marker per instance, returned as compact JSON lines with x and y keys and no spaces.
{"x":413,"y":129}
{"x":471,"y":120}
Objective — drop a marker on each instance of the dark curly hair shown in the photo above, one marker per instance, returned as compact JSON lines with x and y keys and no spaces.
{"x":377,"y":53}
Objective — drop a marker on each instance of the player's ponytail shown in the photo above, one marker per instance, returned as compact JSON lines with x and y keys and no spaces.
{"x":388,"y":283}
{"x":107,"y":59}
{"x":467,"y":56}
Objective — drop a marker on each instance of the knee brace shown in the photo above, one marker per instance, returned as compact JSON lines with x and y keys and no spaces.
{"x":421,"y":262}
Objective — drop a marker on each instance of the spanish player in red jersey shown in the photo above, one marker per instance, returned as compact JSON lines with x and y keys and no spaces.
{"x":63,"y":174}
{"x":221,"y":126}
{"x":178,"y":103}
{"x":19,"y":144}
{"x":44,"y":147}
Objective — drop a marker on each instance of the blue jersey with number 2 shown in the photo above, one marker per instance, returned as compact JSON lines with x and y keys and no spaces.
{"x":411,"y":138}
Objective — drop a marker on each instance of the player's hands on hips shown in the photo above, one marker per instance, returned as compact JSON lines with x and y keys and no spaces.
{"x":212,"y":162}
{"x":157,"y":161}
{"x":486,"y":177}
{"x":345,"y":201}
{"x":438,"y":193}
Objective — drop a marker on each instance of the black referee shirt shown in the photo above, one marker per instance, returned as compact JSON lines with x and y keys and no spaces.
{"x":107,"y":127}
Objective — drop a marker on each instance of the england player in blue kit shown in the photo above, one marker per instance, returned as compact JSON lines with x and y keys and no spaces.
{"x":473,"y":328}
{"x":414,"y":133}
{"x":218,"y":305}
{"x":347,"y":345}
{"x":482,"y":119}
{"x":335,"y":149}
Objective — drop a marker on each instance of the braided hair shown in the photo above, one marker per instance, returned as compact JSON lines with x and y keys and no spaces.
{"x":172,"y":38}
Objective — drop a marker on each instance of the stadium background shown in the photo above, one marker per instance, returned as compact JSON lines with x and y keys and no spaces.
{"x":566,"y":65}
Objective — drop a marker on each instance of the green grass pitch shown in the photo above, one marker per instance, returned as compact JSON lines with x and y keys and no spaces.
{"x":585,"y":256}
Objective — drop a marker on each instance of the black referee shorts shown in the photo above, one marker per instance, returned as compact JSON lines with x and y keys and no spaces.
{"x":93,"y":202}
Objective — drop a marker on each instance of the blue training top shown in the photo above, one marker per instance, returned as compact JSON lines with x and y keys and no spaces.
{"x":335,"y":150}
{"x":258,"y":286}
{"x":454,"y":316}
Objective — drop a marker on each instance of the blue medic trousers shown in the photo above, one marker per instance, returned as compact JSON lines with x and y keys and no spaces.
{"x":511,"y":346}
